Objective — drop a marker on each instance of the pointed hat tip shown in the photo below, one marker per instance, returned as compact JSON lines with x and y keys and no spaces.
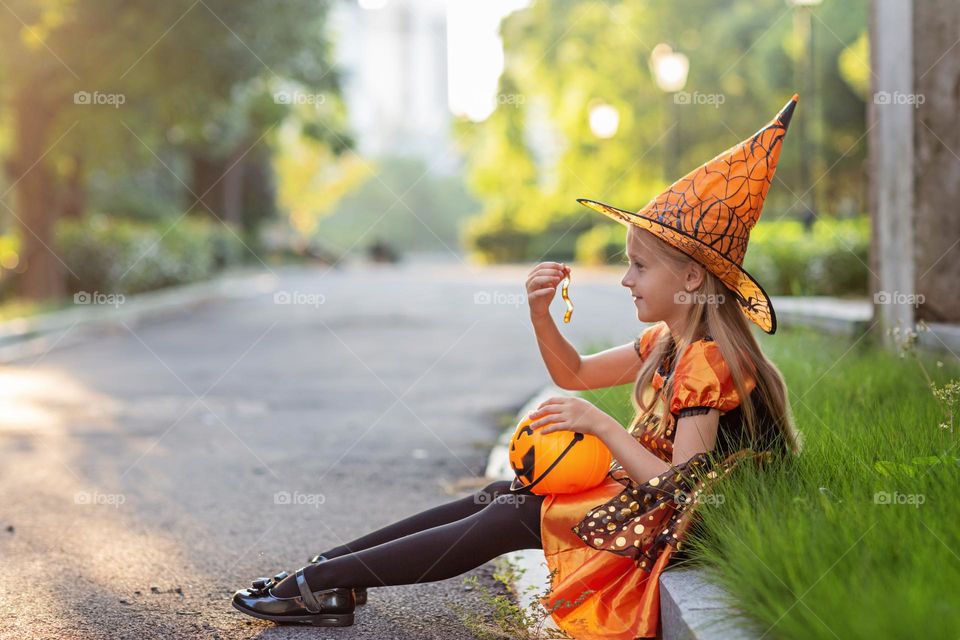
{"x":786,"y":113}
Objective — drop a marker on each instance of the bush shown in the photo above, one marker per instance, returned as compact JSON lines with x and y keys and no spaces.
{"x":558,"y":240}
{"x":831,"y":260}
{"x":604,"y":244}
{"x":498,"y":241}
{"x":124,"y":256}
{"x":494,"y":241}
{"x":227,"y":247}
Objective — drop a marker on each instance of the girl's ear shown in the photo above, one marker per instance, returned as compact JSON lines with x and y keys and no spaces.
{"x":695,"y":275}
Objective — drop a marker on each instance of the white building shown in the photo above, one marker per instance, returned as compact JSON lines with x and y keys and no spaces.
{"x":408,"y":65}
{"x":393,"y":59}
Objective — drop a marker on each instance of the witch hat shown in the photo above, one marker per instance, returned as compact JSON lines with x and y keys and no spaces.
{"x":708,"y":213}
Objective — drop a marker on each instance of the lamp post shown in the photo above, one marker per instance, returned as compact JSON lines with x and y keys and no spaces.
{"x":670,"y":70}
{"x":604,"y":119}
{"x":803,"y":70}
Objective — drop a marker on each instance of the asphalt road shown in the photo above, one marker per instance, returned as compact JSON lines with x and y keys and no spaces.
{"x":151,"y":471}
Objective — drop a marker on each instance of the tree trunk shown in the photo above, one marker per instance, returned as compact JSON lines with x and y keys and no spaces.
{"x":74,"y":191}
{"x":36,"y":211}
{"x":259,"y":190}
{"x":219,"y":183}
{"x":936,"y":165}
{"x":205,"y":183}
{"x":232,"y":184}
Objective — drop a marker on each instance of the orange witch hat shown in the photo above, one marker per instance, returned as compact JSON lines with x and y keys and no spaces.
{"x":708,"y":213}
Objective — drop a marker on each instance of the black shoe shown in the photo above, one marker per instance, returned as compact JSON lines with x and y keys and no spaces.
{"x":322,"y":608}
{"x":360,"y":593}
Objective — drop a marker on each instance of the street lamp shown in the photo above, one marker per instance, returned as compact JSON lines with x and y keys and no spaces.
{"x":670,"y":70}
{"x":803,"y":70}
{"x":604,"y":120}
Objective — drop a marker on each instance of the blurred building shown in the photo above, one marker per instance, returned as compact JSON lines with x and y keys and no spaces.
{"x":393,"y":57}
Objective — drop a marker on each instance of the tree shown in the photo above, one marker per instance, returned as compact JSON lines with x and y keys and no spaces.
{"x":120,"y":83}
{"x":570,"y":56}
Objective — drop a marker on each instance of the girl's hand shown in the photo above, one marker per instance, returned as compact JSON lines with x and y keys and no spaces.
{"x":542,"y":286}
{"x":570,"y":414}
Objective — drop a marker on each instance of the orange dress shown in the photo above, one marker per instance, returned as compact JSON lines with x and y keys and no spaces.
{"x":608,"y":545}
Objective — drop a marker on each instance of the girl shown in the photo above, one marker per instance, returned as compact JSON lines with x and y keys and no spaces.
{"x":705,"y":396}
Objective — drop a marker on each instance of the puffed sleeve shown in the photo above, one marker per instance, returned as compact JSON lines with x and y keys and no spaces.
{"x":644,"y":341}
{"x":702,"y":381}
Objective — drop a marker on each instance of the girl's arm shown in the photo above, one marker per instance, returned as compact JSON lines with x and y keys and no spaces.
{"x":560,"y":357}
{"x":695,"y":434}
{"x":570,"y":371}
{"x":640,"y":463}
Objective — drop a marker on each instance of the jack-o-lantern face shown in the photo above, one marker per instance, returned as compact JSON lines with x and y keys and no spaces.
{"x":558,"y":462}
{"x":524,"y":470}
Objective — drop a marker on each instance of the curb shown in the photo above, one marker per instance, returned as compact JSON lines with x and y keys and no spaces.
{"x":854,"y":318}
{"x":35,"y":335}
{"x":693,"y":608}
{"x":831,"y":315}
{"x":941,"y":336}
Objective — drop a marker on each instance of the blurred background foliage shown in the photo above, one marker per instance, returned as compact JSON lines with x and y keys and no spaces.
{"x":202,"y":166}
{"x":563,"y":59}
{"x":190,"y":132}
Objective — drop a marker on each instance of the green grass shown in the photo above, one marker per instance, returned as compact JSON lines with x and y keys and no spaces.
{"x":811,"y":549}
{"x":503,"y":617}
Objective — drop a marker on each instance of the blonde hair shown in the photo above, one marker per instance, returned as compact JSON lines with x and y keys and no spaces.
{"x":715,"y":312}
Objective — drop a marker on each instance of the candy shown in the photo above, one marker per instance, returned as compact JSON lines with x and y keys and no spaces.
{"x":566,"y":298}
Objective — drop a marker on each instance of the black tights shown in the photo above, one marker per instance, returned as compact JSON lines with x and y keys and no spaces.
{"x":435,"y":544}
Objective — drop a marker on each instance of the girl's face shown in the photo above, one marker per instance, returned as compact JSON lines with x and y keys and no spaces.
{"x":656,"y":282}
